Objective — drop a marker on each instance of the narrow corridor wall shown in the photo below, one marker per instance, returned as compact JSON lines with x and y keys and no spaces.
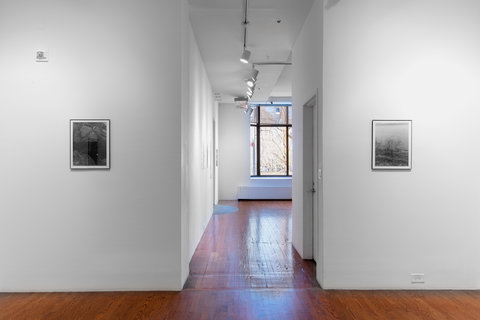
{"x":199,"y":113}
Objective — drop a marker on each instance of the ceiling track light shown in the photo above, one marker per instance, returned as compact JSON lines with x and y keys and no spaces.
{"x":250,"y":82}
{"x":240,"y":99}
{"x":246,"y":54}
{"x":254,"y":74}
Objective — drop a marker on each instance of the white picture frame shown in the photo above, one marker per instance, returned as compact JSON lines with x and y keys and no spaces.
{"x":391,"y":144}
{"x":89,"y":144}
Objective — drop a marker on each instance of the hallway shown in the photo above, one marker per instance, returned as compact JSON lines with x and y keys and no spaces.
{"x":251,"y":248}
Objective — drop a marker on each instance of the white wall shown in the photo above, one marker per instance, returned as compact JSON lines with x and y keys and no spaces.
{"x":234,"y":152}
{"x":398,"y":59}
{"x":198,"y":114}
{"x":92,"y":230}
{"x":306,"y":83}
{"x":234,"y":156}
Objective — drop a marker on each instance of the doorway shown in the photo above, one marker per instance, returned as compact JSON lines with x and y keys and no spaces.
{"x":312,"y":174}
{"x":214,"y":162}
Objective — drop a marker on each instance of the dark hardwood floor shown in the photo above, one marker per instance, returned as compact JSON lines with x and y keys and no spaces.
{"x":245,"y":268}
{"x":310,"y":303}
{"x":251,"y":248}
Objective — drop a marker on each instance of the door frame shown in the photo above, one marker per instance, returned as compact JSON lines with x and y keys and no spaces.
{"x":311,"y":219}
{"x":317,"y":231}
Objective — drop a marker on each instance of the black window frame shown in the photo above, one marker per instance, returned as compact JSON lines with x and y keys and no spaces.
{"x":258,"y":125}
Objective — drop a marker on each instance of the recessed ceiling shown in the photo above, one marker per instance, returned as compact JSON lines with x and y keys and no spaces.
{"x":272,"y":30}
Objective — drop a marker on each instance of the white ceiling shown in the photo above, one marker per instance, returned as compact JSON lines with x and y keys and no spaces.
{"x":217,"y":25}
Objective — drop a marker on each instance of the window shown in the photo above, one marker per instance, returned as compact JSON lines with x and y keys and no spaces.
{"x":271,"y":141}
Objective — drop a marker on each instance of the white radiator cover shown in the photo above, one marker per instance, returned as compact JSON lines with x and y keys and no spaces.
{"x":264,"y":192}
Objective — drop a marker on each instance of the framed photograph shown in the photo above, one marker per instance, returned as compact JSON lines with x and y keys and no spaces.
{"x":89,"y":144}
{"x":392,"y":144}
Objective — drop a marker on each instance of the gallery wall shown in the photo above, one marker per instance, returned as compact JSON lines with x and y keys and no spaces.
{"x":401,"y":60}
{"x":117,"y":229}
{"x":234,"y":157}
{"x":306,"y":83}
{"x":199,"y":111}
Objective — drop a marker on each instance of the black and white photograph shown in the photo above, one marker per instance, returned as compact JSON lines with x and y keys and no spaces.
{"x":90,"y":144}
{"x":392,"y":144}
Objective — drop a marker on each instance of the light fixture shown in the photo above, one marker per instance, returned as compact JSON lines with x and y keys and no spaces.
{"x":240,"y":99}
{"x":254,"y":75}
{"x":249,"y":110}
{"x":245,"y":56}
{"x":249,"y":95}
{"x":253,"y":78}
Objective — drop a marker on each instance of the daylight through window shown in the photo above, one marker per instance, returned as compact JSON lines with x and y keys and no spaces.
{"x":271,"y":141}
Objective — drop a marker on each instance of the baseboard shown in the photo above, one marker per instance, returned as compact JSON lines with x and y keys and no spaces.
{"x":264,"y":193}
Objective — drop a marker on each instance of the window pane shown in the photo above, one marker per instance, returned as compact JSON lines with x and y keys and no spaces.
{"x":273,"y":153}
{"x":273,"y":115}
{"x":290,"y":114}
{"x":253,"y":151}
{"x":290,"y":153}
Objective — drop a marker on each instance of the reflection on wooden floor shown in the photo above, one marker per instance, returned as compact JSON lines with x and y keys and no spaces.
{"x":244,"y":304}
{"x":251,"y":248}
{"x":245,"y":268}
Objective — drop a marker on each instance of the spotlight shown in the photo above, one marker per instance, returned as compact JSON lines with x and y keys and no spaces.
{"x":250,"y":83}
{"x":254,"y":75}
{"x":245,"y":56}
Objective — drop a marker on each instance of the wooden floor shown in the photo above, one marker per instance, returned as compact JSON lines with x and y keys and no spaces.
{"x":244,"y":304}
{"x":251,"y":248}
{"x":245,"y":268}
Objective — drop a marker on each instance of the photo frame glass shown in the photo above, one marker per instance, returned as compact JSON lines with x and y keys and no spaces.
{"x":89,"y":144}
{"x":392,"y":144}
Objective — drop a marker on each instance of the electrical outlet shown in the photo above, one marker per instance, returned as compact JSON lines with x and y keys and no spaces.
{"x":417,"y":277}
